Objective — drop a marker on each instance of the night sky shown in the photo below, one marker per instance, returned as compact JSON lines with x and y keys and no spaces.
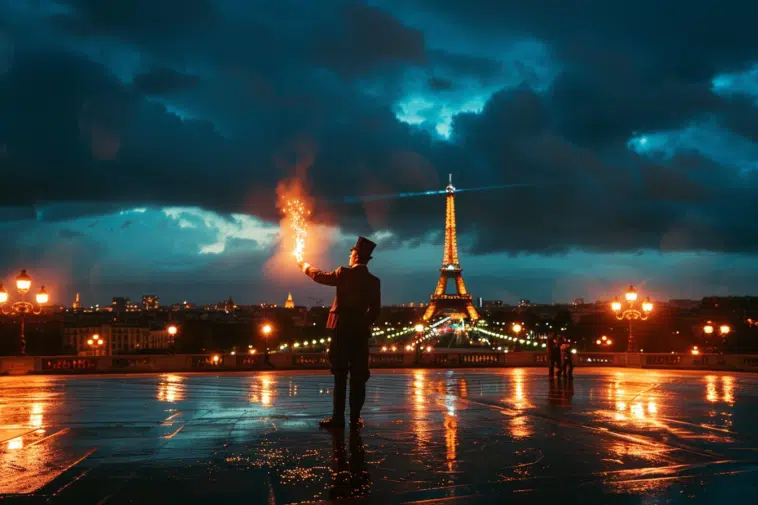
{"x":141,"y":143}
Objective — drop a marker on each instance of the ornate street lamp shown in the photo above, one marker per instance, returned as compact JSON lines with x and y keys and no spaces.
{"x":604,"y":341}
{"x":95,"y":343}
{"x":22,"y":307}
{"x":709,"y":329}
{"x":631,"y":312}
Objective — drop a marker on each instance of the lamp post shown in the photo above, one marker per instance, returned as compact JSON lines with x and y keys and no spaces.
{"x":22,"y":307}
{"x":95,"y":343}
{"x":604,"y":341}
{"x":172,"y":331}
{"x":266,"y":330}
{"x":709,"y":329}
{"x":631,"y":312}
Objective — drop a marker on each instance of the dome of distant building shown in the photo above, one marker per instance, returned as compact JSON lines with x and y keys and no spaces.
{"x":290,"y":303}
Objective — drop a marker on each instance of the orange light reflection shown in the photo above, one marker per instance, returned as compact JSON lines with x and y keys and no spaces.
{"x":263,"y":390}
{"x":171,"y":388}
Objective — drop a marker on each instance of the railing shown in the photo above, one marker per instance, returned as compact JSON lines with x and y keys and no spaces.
{"x":438,"y":358}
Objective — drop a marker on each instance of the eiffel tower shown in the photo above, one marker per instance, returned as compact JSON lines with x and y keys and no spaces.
{"x":459,"y":304}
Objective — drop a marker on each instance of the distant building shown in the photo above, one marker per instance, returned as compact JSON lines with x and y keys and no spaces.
{"x":685,"y":304}
{"x":116,"y":338}
{"x":119,"y":303}
{"x":579,"y":301}
{"x":77,"y":304}
{"x":490,"y":304}
{"x":150,"y":302}
{"x":185,"y":305}
{"x":290,"y":303}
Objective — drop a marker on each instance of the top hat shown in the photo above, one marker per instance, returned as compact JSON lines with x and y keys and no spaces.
{"x":364,"y":247}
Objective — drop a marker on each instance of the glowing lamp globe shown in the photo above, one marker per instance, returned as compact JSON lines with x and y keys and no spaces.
{"x":172,"y":330}
{"x":631,"y":295}
{"x":3,"y":294}
{"x":23,"y":282}
{"x":517,"y":328}
{"x":725,"y":329}
{"x":708,"y":329}
{"x":616,"y":306}
{"x":42,"y":296}
{"x":419,"y":328}
{"x":647,"y":305}
{"x":267,"y":330}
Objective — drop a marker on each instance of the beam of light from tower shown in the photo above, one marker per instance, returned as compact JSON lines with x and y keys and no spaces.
{"x":393,"y":196}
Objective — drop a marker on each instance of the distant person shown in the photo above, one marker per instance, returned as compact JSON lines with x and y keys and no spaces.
{"x":355,"y":309}
{"x":553,"y":353}
{"x":567,"y":366}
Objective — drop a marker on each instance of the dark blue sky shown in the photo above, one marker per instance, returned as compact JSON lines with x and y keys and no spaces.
{"x":141,"y":143}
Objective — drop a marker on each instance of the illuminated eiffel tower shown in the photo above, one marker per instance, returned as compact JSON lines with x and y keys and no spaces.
{"x":457,"y":305}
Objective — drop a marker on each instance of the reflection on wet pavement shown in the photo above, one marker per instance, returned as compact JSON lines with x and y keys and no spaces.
{"x":432,"y":436}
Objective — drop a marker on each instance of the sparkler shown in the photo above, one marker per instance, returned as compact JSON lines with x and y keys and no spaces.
{"x":298,"y":223}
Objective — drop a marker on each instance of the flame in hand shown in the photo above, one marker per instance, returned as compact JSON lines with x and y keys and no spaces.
{"x":298,"y":223}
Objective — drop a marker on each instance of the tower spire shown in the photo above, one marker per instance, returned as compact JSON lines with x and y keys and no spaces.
{"x":290,"y":303}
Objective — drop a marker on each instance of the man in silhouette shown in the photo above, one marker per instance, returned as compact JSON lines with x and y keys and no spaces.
{"x":355,"y":309}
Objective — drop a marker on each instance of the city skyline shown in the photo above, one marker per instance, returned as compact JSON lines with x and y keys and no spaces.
{"x":154,"y":153}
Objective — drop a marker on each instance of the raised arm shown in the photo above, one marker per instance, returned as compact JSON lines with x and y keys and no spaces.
{"x":326,"y":278}
{"x":375,"y":304}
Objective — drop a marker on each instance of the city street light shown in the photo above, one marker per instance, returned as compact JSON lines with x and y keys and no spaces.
{"x":709,"y":329}
{"x":266,"y":330}
{"x":172,"y":331}
{"x":22,"y":307}
{"x":95,"y":343}
{"x":516,"y":328}
{"x":631,"y":312}
{"x":604,"y":341}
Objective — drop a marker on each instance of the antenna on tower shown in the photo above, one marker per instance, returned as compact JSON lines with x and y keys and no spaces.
{"x":450,"y":179}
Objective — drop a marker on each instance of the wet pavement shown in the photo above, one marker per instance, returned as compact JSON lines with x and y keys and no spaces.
{"x":433,"y":437}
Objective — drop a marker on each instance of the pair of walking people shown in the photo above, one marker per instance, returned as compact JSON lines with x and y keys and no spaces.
{"x":559,"y":356}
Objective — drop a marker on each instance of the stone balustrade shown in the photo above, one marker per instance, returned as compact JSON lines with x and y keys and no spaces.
{"x":438,"y":358}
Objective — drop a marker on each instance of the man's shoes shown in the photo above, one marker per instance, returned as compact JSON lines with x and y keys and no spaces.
{"x":356,"y":423}
{"x":331,"y":424}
